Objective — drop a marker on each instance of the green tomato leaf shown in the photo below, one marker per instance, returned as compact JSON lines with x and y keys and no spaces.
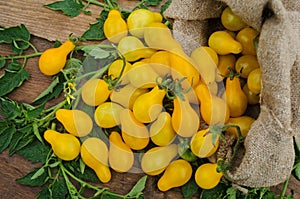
{"x":108,"y":196}
{"x":26,"y":137}
{"x":14,"y":66}
{"x":81,"y":171}
{"x":17,"y":36}
{"x":138,"y":187}
{"x":231,"y":193}
{"x":2,"y":62}
{"x":152,"y":2}
{"x":36,"y":131}
{"x":35,"y":151}
{"x":95,"y":51}
{"x":3,"y":126}
{"x":9,"y":109}
{"x":214,"y":193}
{"x":297,"y":149}
{"x":6,"y":137}
{"x":165,"y":6}
{"x":95,"y":31}
{"x":21,"y":139}
{"x":11,"y":80}
{"x":38,"y":173}
{"x":189,"y":189}
{"x":72,"y":67}
{"x":70,"y":8}
{"x":44,"y":193}
{"x":53,"y":91}
{"x":59,"y":189}
{"x":73,"y":63}
{"x":296,"y":171}
{"x":270,"y":195}
{"x":35,"y":112}
{"x":18,"y":136}
{"x":39,"y":181}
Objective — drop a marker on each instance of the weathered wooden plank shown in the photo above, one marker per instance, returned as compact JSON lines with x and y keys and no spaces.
{"x":52,"y":25}
{"x":43,"y":22}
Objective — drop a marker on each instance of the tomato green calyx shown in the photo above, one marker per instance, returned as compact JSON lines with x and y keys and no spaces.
{"x":114,"y":82}
{"x":108,"y":5}
{"x":217,"y":132}
{"x":232,"y":74}
{"x":223,"y":167}
{"x":74,"y":39}
{"x":173,"y":87}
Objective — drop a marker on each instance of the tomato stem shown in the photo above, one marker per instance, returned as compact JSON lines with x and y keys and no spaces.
{"x":98,"y":190}
{"x":232,"y":73}
{"x":103,"y":5}
{"x":21,"y":56}
{"x":46,"y":120}
{"x":112,"y":83}
{"x":172,"y":87}
{"x":285,"y":187}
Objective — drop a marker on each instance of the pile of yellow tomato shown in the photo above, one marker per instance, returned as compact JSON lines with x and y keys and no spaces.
{"x":162,"y":96}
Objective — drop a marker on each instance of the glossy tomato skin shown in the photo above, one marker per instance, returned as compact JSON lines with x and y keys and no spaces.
{"x":115,"y":27}
{"x":53,"y":60}
{"x":107,"y":115}
{"x":134,"y":133}
{"x":244,"y":123}
{"x":176,"y":174}
{"x":245,"y":64}
{"x":148,"y":106}
{"x":235,"y":97}
{"x":246,"y":37}
{"x":161,"y":130}
{"x":231,"y":21}
{"x":120,"y":156}
{"x":202,"y":144}
{"x":65,"y":146}
{"x":207,"y":176}
{"x":254,"y":81}
{"x":185,"y":120}
{"x":139,"y":19}
{"x":94,"y":154}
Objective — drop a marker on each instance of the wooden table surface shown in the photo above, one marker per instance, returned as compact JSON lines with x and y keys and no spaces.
{"x":47,"y":26}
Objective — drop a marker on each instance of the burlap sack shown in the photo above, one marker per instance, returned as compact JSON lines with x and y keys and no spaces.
{"x":269,"y":152}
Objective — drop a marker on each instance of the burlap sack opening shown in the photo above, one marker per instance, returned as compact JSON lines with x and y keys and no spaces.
{"x":269,"y":152}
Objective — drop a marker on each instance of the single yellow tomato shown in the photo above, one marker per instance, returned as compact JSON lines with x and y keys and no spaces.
{"x":246,"y":37}
{"x":107,"y":114}
{"x":231,"y":21}
{"x":207,"y":176}
{"x":244,"y":122}
{"x":254,"y":81}
{"x":245,"y":64}
{"x":202,"y":145}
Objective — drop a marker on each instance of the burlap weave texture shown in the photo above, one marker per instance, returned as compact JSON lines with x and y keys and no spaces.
{"x":269,"y":152}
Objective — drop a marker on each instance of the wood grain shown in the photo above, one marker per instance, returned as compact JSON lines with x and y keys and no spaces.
{"x":47,"y":26}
